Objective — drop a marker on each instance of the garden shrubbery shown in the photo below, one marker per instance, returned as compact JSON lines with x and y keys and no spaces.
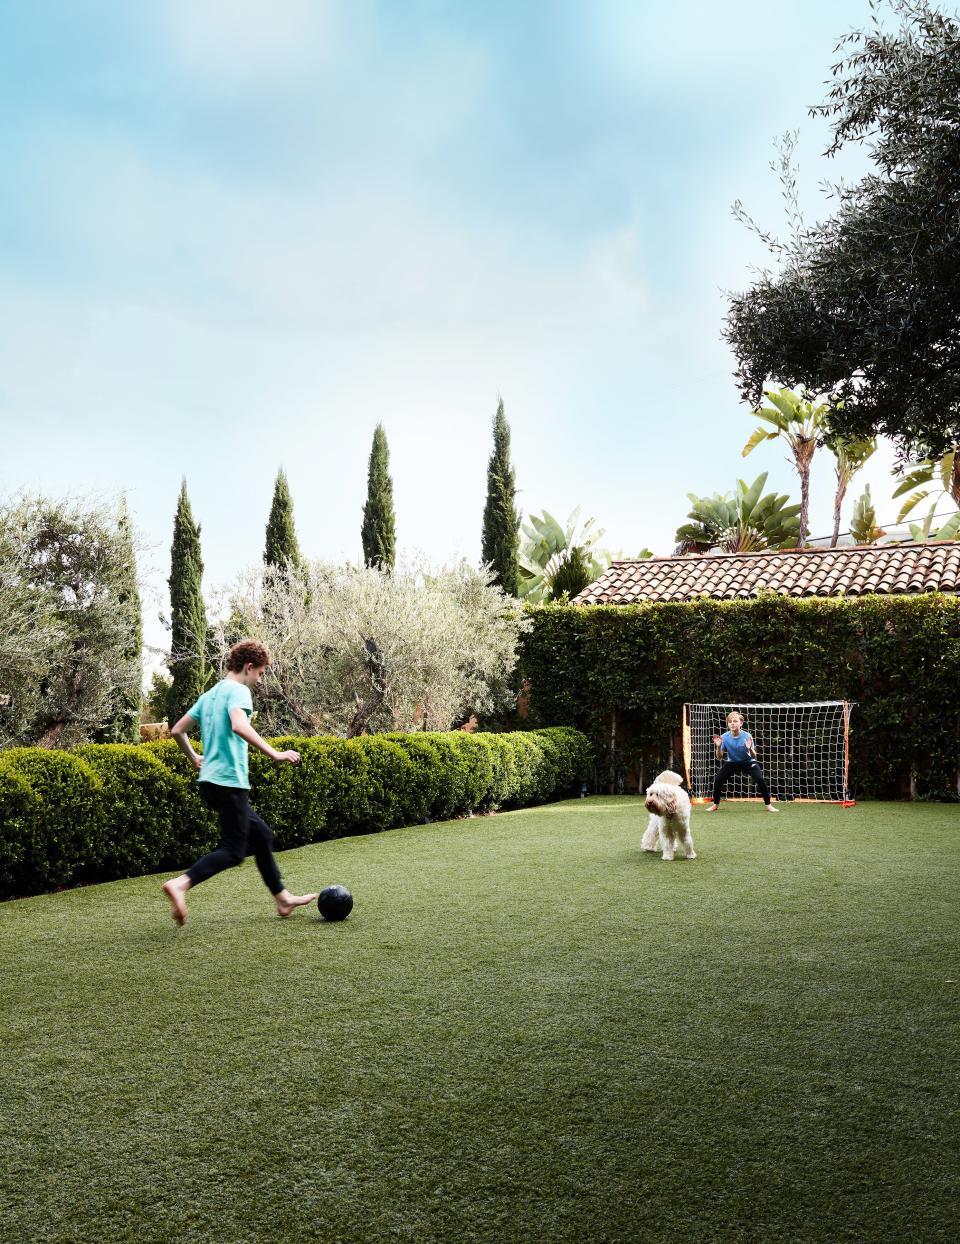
{"x":624,"y":672}
{"x":54,"y":836}
{"x":120,"y":810}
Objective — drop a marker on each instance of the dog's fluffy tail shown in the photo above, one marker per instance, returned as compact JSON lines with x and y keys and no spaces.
{"x":669,"y":778}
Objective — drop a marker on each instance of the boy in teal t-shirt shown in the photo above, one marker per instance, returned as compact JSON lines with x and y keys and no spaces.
{"x":224,"y":760}
{"x":223,"y":714}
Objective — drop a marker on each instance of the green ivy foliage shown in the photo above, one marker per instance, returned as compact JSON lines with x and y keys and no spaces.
{"x":118,"y":810}
{"x":896,"y":656}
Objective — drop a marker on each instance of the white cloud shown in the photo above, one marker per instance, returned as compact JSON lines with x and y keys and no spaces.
{"x":242,"y":43}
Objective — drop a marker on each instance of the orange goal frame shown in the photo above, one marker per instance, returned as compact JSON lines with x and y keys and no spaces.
{"x":846,"y":802}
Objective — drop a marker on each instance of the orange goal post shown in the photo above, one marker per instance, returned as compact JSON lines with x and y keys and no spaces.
{"x":804,"y":749}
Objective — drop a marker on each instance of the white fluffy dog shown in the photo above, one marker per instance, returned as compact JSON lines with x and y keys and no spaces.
{"x":669,"y":824}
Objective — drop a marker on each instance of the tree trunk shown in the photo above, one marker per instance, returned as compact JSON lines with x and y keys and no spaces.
{"x":804,"y":472}
{"x":837,"y":503}
{"x":380,"y":687}
{"x":613,"y":752}
{"x":363,"y":714}
{"x":51,"y":735}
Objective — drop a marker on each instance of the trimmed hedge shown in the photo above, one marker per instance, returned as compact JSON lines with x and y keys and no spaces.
{"x":634,"y":666}
{"x":119,"y":810}
{"x":56,"y":834}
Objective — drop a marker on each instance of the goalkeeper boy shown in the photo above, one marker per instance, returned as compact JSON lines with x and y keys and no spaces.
{"x":741,"y":757}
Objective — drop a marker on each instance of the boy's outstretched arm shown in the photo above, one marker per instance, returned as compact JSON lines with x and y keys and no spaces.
{"x":240,"y":725}
{"x":180,"y":732}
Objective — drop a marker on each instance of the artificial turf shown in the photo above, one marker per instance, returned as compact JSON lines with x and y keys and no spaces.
{"x":527,"y":1030}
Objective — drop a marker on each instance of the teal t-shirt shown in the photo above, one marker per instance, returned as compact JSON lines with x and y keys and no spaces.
{"x":224,"y":753}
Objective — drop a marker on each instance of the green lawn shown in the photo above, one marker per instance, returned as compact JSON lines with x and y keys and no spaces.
{"x":527,"y":1030}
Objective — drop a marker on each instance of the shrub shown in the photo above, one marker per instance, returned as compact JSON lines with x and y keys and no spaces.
{"x":462,"y":788}
{"x":430,"y":774}
{"x":529,"y":763}
{"x":349,"y":806}
{"x":19,"y":807}
{"x":59,"y":831}
{"x":568,"y":759}
{"x":195,"y":830}
{"x":114,"y":810}
{"x":294,"y":800}
{"x":141,"y":800}
{"x":634,"y":667}
{"x":476,"y":767}
{"x":391,"y":781}
{"x":503,"y":769}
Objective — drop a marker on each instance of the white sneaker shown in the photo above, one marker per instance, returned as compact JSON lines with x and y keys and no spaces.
{"x":771,"y":808}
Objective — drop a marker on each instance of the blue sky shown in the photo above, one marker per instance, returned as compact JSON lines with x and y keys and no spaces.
{"x":234,"y":234}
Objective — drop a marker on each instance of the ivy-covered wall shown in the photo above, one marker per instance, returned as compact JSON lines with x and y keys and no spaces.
{"x":623,"y":673}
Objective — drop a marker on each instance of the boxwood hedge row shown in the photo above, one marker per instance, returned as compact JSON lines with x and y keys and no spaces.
{"x":119,"y":810}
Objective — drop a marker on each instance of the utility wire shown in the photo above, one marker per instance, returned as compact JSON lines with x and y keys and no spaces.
{"x":943,"y":514}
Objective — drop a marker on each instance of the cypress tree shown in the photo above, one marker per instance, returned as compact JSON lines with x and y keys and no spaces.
{"x":501,"y":522}
{"x":124,"y":724}
{"x":188,"y":617}
{"x":282,"y":548}
{"x":573,"y":574}
{"x":378,"y":531}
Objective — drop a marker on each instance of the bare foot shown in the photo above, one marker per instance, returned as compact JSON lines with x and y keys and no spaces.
{"x":175,"y":890}
{"x":713,"y":807}
{"x":286,"y":902}
{"x":771,"y":808}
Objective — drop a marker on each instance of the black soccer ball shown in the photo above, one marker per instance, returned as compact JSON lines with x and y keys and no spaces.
{"x":335,"y":902}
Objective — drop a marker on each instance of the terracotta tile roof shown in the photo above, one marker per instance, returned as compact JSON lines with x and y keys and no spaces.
{"x":893,"y":569}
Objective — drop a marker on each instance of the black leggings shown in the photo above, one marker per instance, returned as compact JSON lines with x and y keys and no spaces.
{"x":750,"y":767}
{"x":242,"y":833}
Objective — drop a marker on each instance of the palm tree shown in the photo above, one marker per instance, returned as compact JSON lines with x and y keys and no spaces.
{"x":850,"y":454}
{"x":864,"y":527}
{"x":744,"y":521}
{"x":547,"y":546}
{"x":924,"y":472}
{"x":799,"y":421}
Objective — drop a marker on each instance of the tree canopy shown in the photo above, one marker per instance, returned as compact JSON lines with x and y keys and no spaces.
{"x":281,"y":548}
{"x":547,"y":548}
{"x":501,"y":522}
{"x":378,"y":532}
{"x":866,"y":304}
{"x":188,"y":614}
{"x":367,"y":649}
{"x":70,"y":651}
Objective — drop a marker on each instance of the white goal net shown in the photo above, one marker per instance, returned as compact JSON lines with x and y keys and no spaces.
{"x":803,"y":749}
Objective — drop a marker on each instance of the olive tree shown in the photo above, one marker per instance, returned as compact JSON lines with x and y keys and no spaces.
{"x":361,"y":649}
{"x":70,"y":646}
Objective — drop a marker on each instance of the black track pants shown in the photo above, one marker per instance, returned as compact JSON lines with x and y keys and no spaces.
{"x":242,"y":833}
{"x":750,"y":767}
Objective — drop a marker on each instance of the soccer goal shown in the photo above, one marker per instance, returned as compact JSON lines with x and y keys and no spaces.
{"x":803,"y":748}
